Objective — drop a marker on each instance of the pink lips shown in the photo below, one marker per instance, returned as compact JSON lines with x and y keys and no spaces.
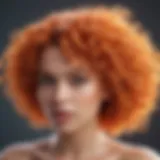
{"x":62,"y":116}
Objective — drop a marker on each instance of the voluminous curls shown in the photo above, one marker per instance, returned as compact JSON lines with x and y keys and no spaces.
{"x":107,"y":39}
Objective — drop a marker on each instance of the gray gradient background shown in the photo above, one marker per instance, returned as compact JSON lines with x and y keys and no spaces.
{"x":17,"y":13}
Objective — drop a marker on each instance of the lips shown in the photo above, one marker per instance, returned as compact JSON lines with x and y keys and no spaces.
{"x":62,"y":116}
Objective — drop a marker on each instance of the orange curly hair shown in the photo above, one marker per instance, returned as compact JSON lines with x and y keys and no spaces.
{"x":105,"y":38}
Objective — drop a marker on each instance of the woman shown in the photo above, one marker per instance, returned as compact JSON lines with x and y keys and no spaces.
{"x":90,"y":74}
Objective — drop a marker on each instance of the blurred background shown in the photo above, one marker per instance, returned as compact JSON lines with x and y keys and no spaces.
{"x":16,"y":13}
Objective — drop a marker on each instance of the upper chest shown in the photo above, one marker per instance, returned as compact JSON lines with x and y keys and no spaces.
{"x":45,"y":152}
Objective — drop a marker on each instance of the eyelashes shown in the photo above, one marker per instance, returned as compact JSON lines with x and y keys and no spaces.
{"x":73,"y":79}
{"x":77,"y":80}
{"x":47,"y":80}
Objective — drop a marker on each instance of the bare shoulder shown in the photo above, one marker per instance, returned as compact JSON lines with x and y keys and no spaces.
{"x":27,"y":150}
{"x":140,"y":153}
{"x":16,"y":151}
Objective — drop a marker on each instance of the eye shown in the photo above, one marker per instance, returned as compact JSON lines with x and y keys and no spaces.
{"x":47,"y":80}
{"x":78,"y":79}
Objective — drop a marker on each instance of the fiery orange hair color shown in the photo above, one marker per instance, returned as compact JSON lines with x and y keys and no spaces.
{"x":105,"y":38}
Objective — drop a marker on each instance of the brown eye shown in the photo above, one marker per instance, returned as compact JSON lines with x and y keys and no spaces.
{"x":47,"y":80}
{"x":78,"y":80}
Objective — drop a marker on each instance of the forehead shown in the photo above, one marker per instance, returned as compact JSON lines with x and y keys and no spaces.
{"x":53,"y":61}
{"x":53,"y":58}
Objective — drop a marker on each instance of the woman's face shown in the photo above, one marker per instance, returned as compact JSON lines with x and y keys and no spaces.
{"x":69,"y":94}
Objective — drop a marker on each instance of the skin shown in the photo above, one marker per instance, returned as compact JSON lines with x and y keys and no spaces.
{"x":70,"y":95}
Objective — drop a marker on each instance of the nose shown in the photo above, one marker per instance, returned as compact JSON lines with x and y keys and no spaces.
{"x":63,"y":92}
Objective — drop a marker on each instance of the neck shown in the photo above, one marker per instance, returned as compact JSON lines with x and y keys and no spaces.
{"x":87,"y":141}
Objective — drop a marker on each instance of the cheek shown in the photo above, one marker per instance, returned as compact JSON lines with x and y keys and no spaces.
{"x":44,"y":94}
{"x":89,"y":98}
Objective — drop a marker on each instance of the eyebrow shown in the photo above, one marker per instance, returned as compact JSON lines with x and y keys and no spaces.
{"x":75,"y":70}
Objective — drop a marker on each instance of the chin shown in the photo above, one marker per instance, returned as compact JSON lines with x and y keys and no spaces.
{"x":63,"y":130}
{"x":66,"y":129}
